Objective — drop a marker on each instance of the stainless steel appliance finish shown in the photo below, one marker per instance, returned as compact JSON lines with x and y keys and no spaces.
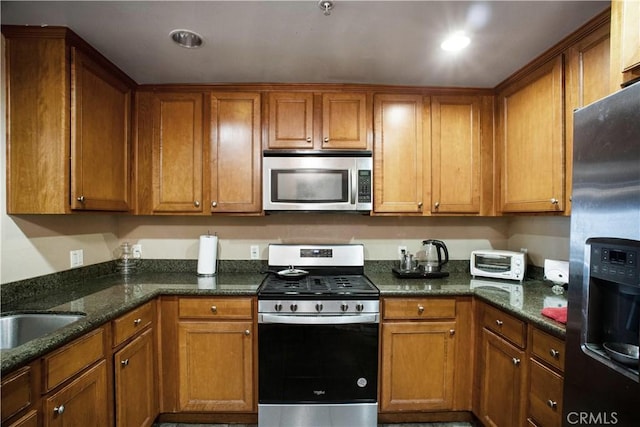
{"x":325,"y":180}
{"x":318,"y":340}
{"x":599,"y":390}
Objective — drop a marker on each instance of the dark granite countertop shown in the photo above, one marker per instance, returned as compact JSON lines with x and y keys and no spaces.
{"x":111,"y":295}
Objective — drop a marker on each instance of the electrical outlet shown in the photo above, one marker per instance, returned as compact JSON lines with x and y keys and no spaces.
{"x":255,"y":252}
{"x":76,"y":258}
{"x":524,"y":250}
{"x":136,"y":251}
{"x":400,"y":249}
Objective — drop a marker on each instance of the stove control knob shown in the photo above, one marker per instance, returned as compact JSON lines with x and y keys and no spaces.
{"x":319,"y":307}
{"x":359,"y":307}
{"x":294,"y":307}
{"x":278,"y":307}
{"x":344,"y":307}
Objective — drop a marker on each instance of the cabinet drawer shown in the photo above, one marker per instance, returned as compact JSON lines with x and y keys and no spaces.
{"x":419,"y":308}
{"x":131,"y":323}
{"x":504,"y":325}
{"x":16,"y":392}
{"x":67,"y":361}
{"x":548,"y":348}
{"x":216,"y":308}
{"x":545,"y":396}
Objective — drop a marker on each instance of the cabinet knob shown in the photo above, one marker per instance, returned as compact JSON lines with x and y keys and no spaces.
{"x":515,"y":361}
{"x":554,"y":201}
{"x":214,"y":204}
{"x":552,"y":404}
{"x":452,"y":332}
{"x":124,"y":362}
{"x":196,"y":204}
{"x":326,"y":139}
{"x":420,"y":205}
{"x":247,"y":332}
{"x":214,"y":309}
{"x":499,"y":322}
{"x":137,"y":322}
{"x":420,"y":309}
{"x":81,"y":200}
{"x":58,"y":410}
{"x":308,"y":139}
{"x":554,"y":353}
{"x":436,"y":205}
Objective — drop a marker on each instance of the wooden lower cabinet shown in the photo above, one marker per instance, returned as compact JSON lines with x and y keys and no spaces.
{"x":82,"y":402}
{"x":502,"y":382}
{"x":417,"y":366}
{"x":135,"y":395}
{"x":28,"y":420}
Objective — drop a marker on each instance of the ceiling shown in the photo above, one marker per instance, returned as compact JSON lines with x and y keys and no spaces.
{"x":377,"y":42}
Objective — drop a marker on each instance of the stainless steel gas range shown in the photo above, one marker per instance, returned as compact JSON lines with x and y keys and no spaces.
{"x":318,"y":318}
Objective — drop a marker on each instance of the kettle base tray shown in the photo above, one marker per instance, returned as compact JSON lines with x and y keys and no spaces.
{"x":418,"y":274}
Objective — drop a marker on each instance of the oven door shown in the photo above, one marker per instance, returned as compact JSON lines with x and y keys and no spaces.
{"x":318,"y":363}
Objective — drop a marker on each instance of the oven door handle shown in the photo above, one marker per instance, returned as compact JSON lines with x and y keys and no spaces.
{"x":318,"y":320}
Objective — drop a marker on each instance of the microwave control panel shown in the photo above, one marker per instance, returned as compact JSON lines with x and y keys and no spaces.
{"x":615,"y":262}
{"x":364,"y":186}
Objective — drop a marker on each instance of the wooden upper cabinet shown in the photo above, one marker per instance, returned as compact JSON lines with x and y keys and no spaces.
{"x":304,"y":120}
{"x":100,"y":137}
{"x":625,"y":42}
{"x":235,"y":158}
{"x":399,"y":137}
{"x":177,"y":152}
{"x":345,"y":122}
{"x":65,"y":101}
{"x":455,"y":154}
{"x":530,"y":141}
{"x":290,"y":120}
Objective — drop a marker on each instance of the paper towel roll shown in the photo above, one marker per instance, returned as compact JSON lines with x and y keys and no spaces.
{"x":207,"y":255}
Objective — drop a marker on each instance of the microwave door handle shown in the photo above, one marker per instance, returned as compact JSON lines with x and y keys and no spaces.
{"x":354,"y":185}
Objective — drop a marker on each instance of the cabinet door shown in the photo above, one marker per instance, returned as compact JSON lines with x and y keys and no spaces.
{"x":630,"y":34}
{"x":215,"y":362}
{"x":503,"y":378}
{"x":397,"y":153}
{"x":83,"y":402}
{"x":135,"y":392}
{"x":344,"y":121}
{"x":235,"y":157}
{"x":531,"y":142}
{"x":417,"y":366}
{"x":177,"y":156}
{"x":290,"y":120}
{"x":455,"y":154}
{"x":100,"y":137}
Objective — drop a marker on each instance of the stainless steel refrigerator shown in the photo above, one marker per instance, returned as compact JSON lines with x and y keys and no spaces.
{"x":601,"y":384}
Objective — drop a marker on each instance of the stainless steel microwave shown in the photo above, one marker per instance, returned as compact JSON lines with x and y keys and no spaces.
{"x":311,"y":181}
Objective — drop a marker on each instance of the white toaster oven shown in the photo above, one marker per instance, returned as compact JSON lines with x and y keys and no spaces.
{"x":498,"y":264}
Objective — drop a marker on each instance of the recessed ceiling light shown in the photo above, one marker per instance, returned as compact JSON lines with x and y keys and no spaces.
{"x":186,"y":38}
{"x":455,"y":42}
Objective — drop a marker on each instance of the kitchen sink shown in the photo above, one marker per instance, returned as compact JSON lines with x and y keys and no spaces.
{"x":17,"y":329}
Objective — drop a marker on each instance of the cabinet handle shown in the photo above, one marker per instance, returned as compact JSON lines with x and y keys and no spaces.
{"x":554,"y":353}
{"x":452,"y":332}
{"x":420,"y":309}
{"x":196,"y":204}
{"x":247,"y":332}
{"x":499,"y":322}
{"x":552,"y":404}
{"x":436,"y":205}
{"x":137,"y":322}
{"x":326,"y":139}
{"x":420,"y":205}
{"x":308,"y":139}
{"x":515,"y":361}
{"x":81,"y":200}
{"x":214,"y":309}
{"x":214,"y":204}
{"x":554,"y":201}
{"x":124,"y":362}
{"x":58,"y":410}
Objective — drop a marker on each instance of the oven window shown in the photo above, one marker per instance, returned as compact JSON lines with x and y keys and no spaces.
{"x":317,"y":363}
{"x":309,"y":185}
{"x":493,"y":263}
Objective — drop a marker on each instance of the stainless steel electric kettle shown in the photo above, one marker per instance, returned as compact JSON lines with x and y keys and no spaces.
{"x":432,"y":257}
